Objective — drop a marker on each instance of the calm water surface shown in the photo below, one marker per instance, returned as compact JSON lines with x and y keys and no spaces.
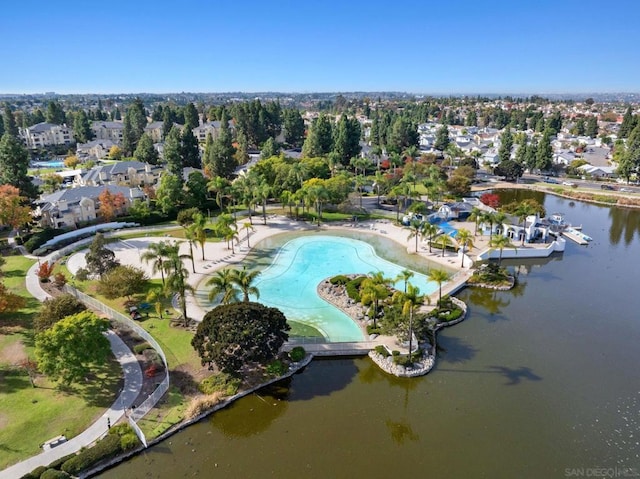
{"x":539,"y":382}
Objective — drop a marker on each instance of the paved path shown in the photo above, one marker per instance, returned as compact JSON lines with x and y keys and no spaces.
{"x":130,"y":391}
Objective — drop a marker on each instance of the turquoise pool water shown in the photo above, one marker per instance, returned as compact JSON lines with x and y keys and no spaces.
{"x":290,"y":283}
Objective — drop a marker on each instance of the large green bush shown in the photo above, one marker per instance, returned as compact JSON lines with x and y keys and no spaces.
{"x":353,"y":288}
{"x":340,"y":279}
{"x":381,"y":350}
{"x":277,"y":368}
{"x":54,"y":474}
{"x":40,"y":238}
{"x":297,"y":354}
{"x":35,"y":474}
{"x":222,"y":382}
{"x":105,"y":449}
{"x":139,"y":348}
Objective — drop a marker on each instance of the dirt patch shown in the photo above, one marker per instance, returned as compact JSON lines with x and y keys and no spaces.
{"x":13,"y":354}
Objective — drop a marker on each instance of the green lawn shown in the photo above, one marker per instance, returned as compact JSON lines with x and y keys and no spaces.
{"x":165,"y":414}
{"x":29,"y":416}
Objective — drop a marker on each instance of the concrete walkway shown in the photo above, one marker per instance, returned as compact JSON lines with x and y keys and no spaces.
{"x":130,"y":391}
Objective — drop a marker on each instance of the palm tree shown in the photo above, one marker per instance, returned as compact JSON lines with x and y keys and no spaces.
{"x":405,"y":275}
{"x":157,"y":297}
{"x":190,"y":235}
{"x":287,"y":200}
{"x":523,"y":211}
{"x":490,"y":218}
{"x":438,"y":276}
{"x":223,"y":283}
{"x":244,"y":280}
{"x":501,"y":242}
{"x":429,"y":230}
{"x":221,"y":187}
{"x":231,"y":234}
{"x":410,"y":300}
{"x":262,"y":192}
{"x":379,"y":181}
{"x":199,"y":230}
{"x":177,"y":276}
{"x":373,"y":291}
{"x":476,"y":217}
{"x":443,"y":241}
{"x":499,"y":218}
{"x":415,"y":230}
{"x":465,"y":240}
{"x":247,"y":227}
{"x":158,"y":253}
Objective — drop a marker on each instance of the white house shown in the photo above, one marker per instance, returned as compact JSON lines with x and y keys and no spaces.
{"x":94,"y":149}
{"x":108,"y":130}
{"x":47,"y":134}
{"x":123,"y":173}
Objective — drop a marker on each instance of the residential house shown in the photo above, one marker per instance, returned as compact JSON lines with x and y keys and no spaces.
{"x":212,"y":127}
{"x":598,"y":171}
{"x":108,"y":130}
{"x":73,"y":207}
{"x":563,"y":157}
{"x":94,"y":149}
{"x":124,"y":173}
{"x":155,"y":131}
{"x":47,"y":134}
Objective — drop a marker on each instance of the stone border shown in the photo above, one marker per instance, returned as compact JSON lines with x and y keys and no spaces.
{"x":293,"y":369}
{"x":496,"y":287}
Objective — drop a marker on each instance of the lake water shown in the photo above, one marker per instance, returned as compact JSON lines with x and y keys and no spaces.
{"x":539,"y":382}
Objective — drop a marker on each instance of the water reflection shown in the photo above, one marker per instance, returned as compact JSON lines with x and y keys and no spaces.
{"x":515,"y":376}
{"x":491,"y":301}
{"x":624,"y":223}
{"x":454,"y":350}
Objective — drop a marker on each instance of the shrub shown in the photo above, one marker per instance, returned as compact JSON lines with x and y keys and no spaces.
{"x":35,"y":474}
{"x":54,"y":474}
{"x":381,"y":350}
{"x":277,"y":368}
{"x":202,"y":404}
{"x":82,"y":274}
{"x":297,"y":354}
{"x":451,"y":315}
{"x":222,"y":383}
{"x":395,"y":352}
{"x":59,"y":462}
{"x":59,"y":280}
{"x":129,"y":441}
{"x":353,"y":288}
{"x":151,"y":371}
{"x":40,"y":238}
{"x":139,"y":348}
{"x":371,"y":329}
{"x":340,"y":279}
{"x":104,"y":449}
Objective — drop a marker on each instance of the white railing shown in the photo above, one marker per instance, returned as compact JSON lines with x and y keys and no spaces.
{"x":140,"y":411}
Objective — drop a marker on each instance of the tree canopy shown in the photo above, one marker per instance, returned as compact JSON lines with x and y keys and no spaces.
{"x":71,"y":347}
{"x":232,"y":335}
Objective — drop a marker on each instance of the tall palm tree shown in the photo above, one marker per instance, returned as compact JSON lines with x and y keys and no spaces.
{"x":443,"y":241}
{"x":465,"y":240}
{"x":405,"y":275}
{"x":158,"y":254}
{"x":247,"y":227}
{"x":190,"y":235}
{"x":380,"y":183}
{"x":157,"y":297}
{"x":262,"y":193}
{"x":429,"y":230}
{"x":415,"y":230}
{"x":489,"y":217}
{"x":199,"y":230}
{"x":373,"y":291}
{"x":476,"y":217}
{"x":221,"y":187}
{"x":501,"y":242}
{"x":222,"y":283}
{"x":177,"y":276}
{"x":523,"y":211}
{"x":231,"y":235}
{"x":499,"y":218}
{"x":286,"y":197}
{"x":409,"y":301}
{"x":244,"y":280}
{"x":438,"y":276}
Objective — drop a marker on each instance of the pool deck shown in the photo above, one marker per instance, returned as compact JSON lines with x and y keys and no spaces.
{"x":218,"y":256}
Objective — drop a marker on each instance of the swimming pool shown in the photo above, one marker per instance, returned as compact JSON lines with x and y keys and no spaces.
{"x":47,"y":164}
{"x":291,"y":281}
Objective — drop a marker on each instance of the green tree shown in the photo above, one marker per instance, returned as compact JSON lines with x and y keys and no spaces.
{"x":177,"y":279}
{"x":269,"y":149}
{"x":122,"y":281}
{"x":416,"y":229}
{"x":442,"y":138}
{"x":439,"y":276}
{"x":72,"y":347}
{"x":99,"y":258}
{"x":9,"y":121}
{"x":373,"y":290}
{"x":221,"y":161}
{"x":319,"y":140}
{"x":145,"y":151}
{"x":14,"y":164}
{"x":409,"y":301}
{"x":158,"y":297}
{"x":443,"y":241}
{"x":510,"y":169}
{"x":191,"y":117}
{"x":172,"y":152}
{"x":293,"y":128}
{"x":500,"y":242}
{"x":506,"y":143}
{"x":158,"y":253}
{"x":405,"y":275}
{"x":222,"y":284}
{"x":346,"y":142}
{"x":429,"y":230}
{"x":626,"y":127}
{"x":544,"y":155}
{"x":134,"y":122}
{"x":591,"y":129}
{"x":169,"y":195}
{"x":233,"y":335}
{"x":245,"y":280}
{"x":82,"y":131}
{"x":55,"y":309}
{"x":465,"y":240}
{"x":55,"y":113}
{"x":189,"y":150}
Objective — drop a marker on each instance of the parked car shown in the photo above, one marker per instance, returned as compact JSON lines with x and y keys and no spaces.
{"x":568,"y":183}
{"x":607,"y":187}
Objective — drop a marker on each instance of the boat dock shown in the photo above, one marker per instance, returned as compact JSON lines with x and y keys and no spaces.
{"x":576,"y":236}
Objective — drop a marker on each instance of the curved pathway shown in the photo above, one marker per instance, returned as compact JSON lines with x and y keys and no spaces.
{"x":130,"y":391}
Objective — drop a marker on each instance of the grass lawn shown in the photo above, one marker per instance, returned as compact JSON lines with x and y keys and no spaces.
{"x":165,"y":414}
{"x":29,"y":416}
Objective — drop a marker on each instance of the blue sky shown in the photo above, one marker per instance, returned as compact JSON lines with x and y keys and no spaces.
{"x":441,"y":47}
